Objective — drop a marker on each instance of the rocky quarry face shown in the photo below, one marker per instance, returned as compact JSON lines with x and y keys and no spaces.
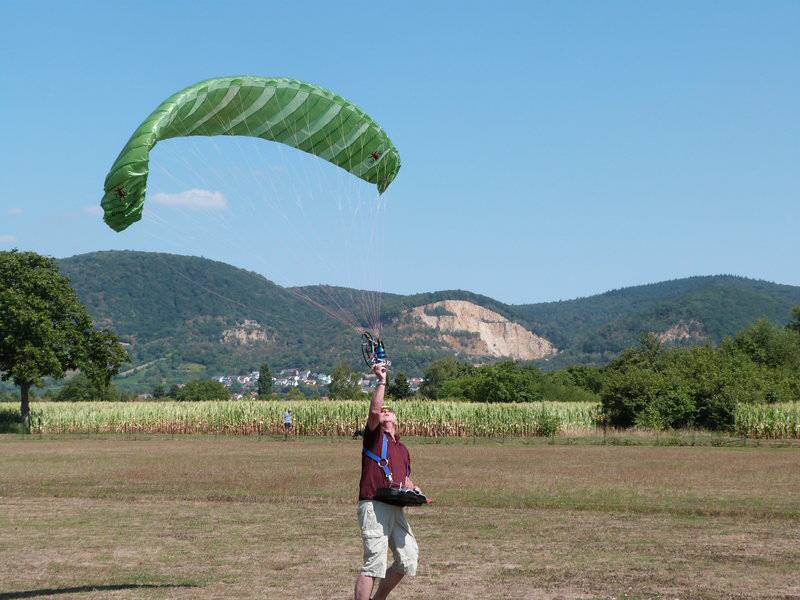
{"x":244,"y":334}
{"x":680,"y":332}
{"x":477,"y":331}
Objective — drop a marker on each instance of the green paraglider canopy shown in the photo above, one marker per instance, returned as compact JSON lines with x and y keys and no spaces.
{"x":301,"y":115}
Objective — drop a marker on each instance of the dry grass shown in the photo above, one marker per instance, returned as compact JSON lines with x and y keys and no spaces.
{"x":198,"y":517}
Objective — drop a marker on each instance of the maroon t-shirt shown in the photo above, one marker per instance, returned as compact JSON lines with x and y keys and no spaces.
{"x":372,"y":476}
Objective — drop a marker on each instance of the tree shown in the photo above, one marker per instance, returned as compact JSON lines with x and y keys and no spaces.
{"x":400,"y":388}
{"x":46,"y":331}
{"x":583,"y":376}
{"x":159,"y":391}
{"x":794,"y":324}
{"x":502,"y":382}
{"x":202,"y":390}
{"x":264,"y":380}
{"x":769,"y":345}
{"x":103,"y":357}
{"x":83,"y":389}
{"x":441,"y":371}
{"x":344,"y":383}
{"x":295,"y":394}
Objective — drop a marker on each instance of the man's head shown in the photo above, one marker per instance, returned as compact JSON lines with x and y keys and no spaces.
{"x":388,"y":420}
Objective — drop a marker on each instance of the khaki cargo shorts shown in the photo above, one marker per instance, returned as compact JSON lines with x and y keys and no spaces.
{"x":384,"y":526}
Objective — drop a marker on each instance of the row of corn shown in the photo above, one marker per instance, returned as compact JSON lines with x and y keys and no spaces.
{"x":340,"y":418}
{"x":334,"y":418}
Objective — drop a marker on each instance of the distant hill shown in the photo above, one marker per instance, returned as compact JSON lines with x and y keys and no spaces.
{"x":192,"y":314}
{"x":604,"y":324}
{"x":184,"y":317}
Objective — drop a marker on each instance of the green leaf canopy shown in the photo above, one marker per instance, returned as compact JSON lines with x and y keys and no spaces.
{"x":301,"y":115}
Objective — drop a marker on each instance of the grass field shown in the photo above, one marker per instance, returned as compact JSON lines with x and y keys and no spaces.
{"x":110,"y":516}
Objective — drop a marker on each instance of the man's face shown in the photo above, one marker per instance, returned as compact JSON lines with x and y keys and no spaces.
{"x":388,"y":420}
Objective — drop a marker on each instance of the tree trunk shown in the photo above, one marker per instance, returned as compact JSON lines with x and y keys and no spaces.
{"x":24,"y":405}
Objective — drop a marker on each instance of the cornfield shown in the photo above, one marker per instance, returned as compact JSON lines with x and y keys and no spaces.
{"x":341,"y":418}
{"x":774,"y":421}
{"x":420,"y":418}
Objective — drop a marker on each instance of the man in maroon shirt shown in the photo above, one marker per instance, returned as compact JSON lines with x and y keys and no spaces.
{"x":383,"y":526}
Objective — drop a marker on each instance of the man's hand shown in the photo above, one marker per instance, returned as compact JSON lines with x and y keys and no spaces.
{"x":428,"y":499}
{"x":380,"y":372}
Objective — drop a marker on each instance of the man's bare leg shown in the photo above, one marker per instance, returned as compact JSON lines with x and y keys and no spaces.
{"x":363,"y":587}
{"x":387,"y":584}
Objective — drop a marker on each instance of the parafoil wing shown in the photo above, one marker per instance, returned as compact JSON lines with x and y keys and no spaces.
{"x":301,"y":115}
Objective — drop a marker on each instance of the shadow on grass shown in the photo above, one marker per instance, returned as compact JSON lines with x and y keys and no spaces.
{"x":91,"y":588}
{"x":11,"y":421}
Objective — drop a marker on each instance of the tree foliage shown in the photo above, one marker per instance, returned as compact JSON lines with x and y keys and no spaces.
{"x":344,"y":383}
{"x":46,"y":331}
{"x":400,"y":389}
{"x":650,"y":385}
{"x":657,"y":387}
{"x":441,"y":371}
{"x":264,"y":380}
{"x":794,"y":324}
{"x":295,"y":393}
{"x":202,"y":390}
{"x":502,"y":382}
{"x":83,"y":389}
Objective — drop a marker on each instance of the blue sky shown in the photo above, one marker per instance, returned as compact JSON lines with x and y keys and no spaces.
{"x":550,"y":150}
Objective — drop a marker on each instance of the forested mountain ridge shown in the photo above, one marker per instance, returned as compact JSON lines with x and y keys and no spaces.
{"x":176,"y":310}
{"x":188,"y":316}
{"x":608,"y":322}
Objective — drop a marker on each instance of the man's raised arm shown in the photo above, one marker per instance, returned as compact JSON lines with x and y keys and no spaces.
{"x":376,"y":404}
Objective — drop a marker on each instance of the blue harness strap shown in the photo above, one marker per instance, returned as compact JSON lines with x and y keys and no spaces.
{"x":382,"y":460}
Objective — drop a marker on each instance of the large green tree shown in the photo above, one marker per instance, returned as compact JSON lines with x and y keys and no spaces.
{"x":344,"y":383}
{"x":400,"y":389}
{"x":202,"y":390}
{"x":264,"y":380}
{"x":45,"y":330}
{"x":82,"y":389}
{"x":441,"y":371}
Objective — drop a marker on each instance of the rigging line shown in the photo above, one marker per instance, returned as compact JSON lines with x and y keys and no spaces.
{"x":204,"y":158}
{"x":302,"y":296}
{"x":358,"y":298}
{"x":191,"y":228}
{"x":212,"y":168}
{"x":232,"y":301}
{"x":327,"y":310}
{"x":294,"y":183}
{"x":324,"y":309}
{"x":185,"y":219}
{"x":264,"y":193}
{"x":160,"y":221}
{"x":310,"y":190}
{"x":380,"y":248}
{"x":210,"y":165}
{"x":188,"y":215}
{"x":307,"y":178}
{"x":341,"y":315}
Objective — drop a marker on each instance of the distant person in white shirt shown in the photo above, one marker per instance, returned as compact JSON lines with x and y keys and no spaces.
{"x":287,"y":423}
